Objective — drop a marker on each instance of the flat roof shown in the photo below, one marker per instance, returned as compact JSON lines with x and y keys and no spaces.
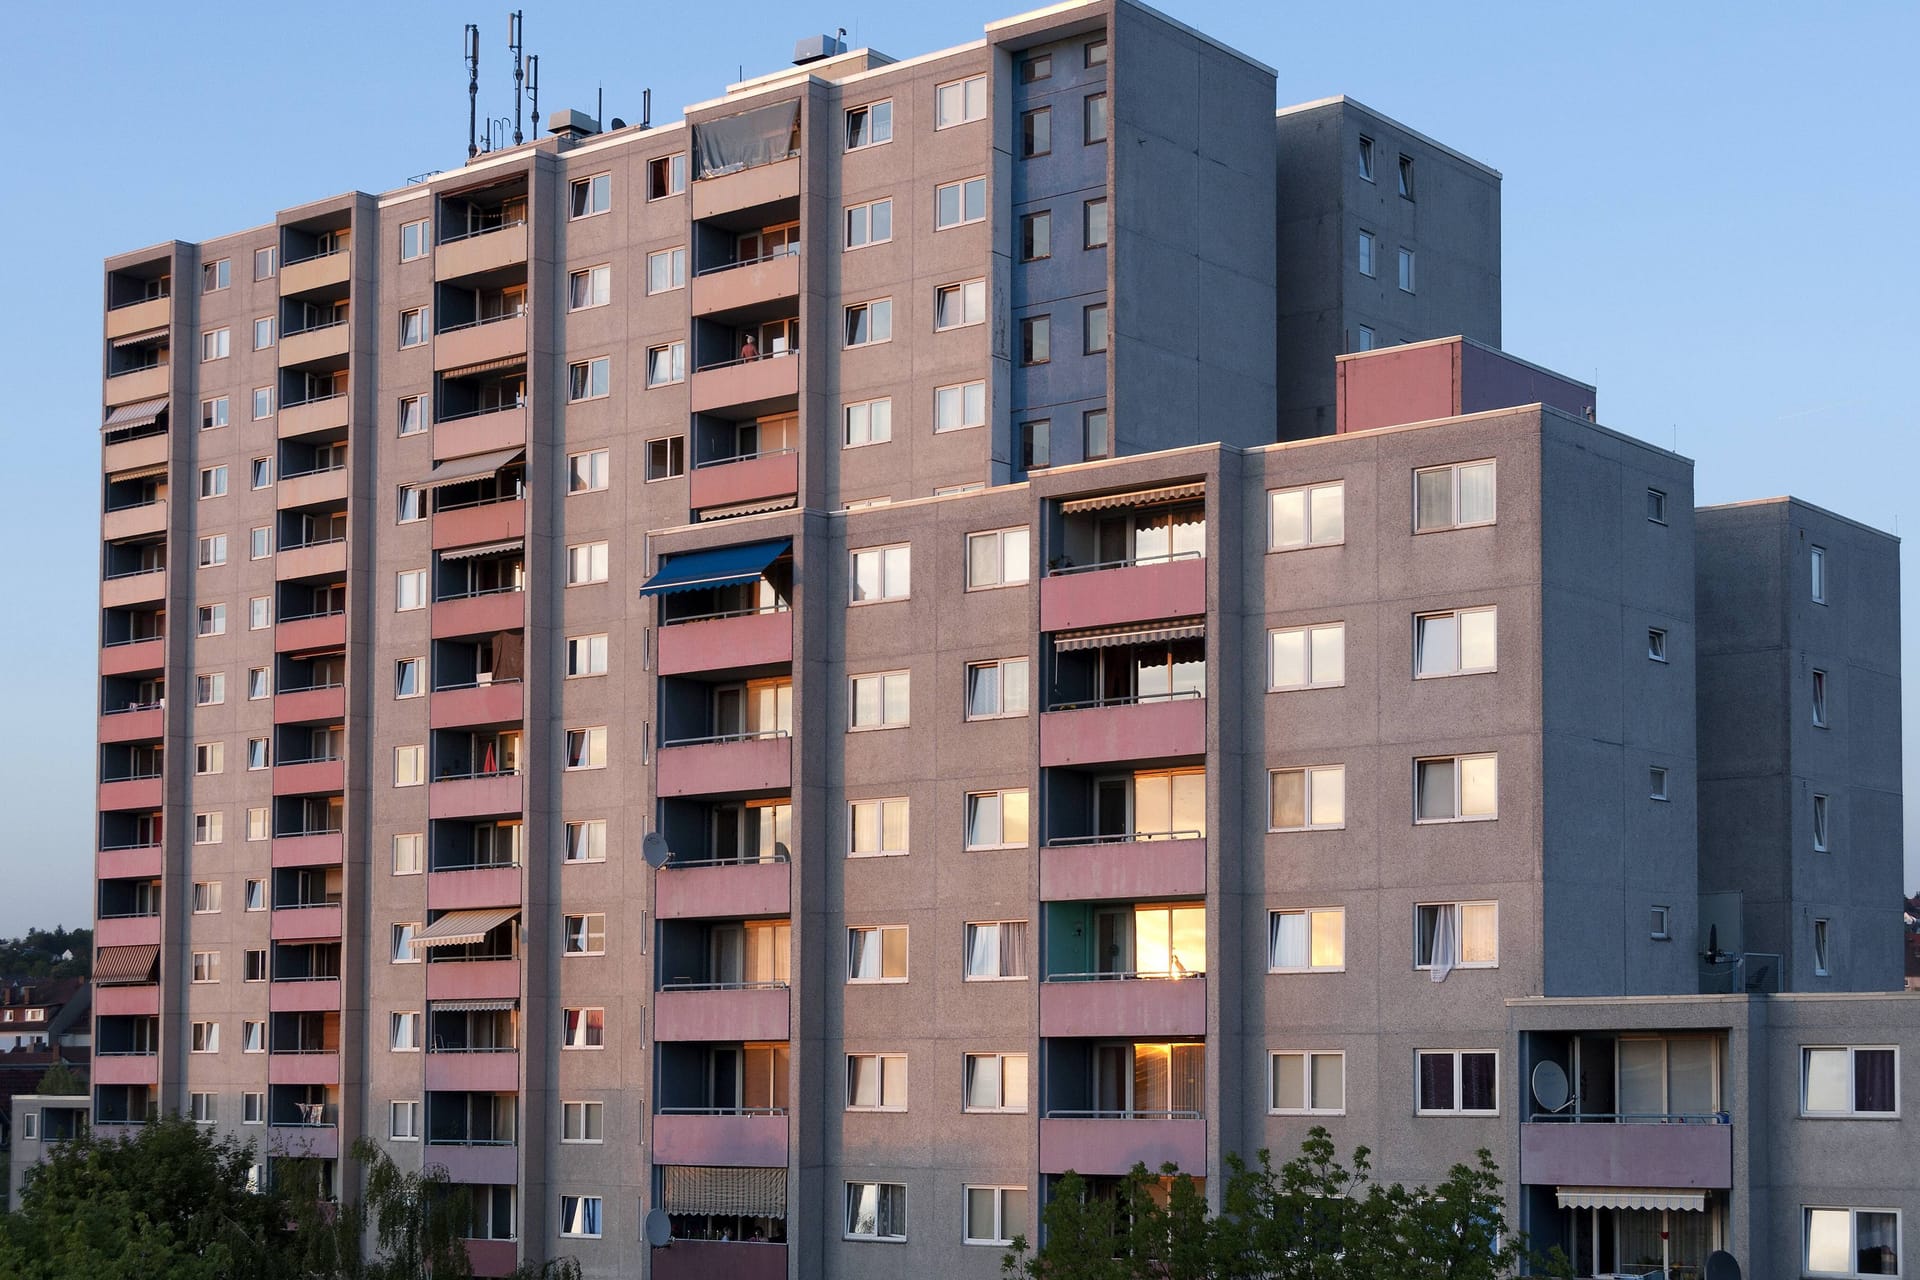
{"x":1341,"y":99}
{"x":1787,"y":499}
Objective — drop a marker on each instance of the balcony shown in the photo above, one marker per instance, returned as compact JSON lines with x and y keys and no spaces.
{"x":747,"y":387}
{"x":1672,"y":1151}
{"x":476,"y":704}
{"x":309,"y":777}
{"x":133,"y":793}
{"x":487,"y":432}
{"x":133,"y":657}
{"x":126,"y":1068}
{"x":479,"y":252}
{"x":1096,"y":1143}
{"x":480,"y":342}
{"x":755,"y":1139}
{"x":747,"y":284}
{"x":479,"y":615}
{"x":320,"y":921}
{"x":134,"y":724}
{"x":314,"y":560}
{"x":140,"y":384}
{"x":1121,"y":868}
{"x":729,"y":642}
{"x":321,"y":342}
{"x":748,"y":188}
{"x":1123,"y":1006}
{"x":754,"y":482}
{"x":308,"y":849}
{"x":316,"y":633}
{"x":132,"y":862}
{"x":304,"y":1141}
{"x":145,"y":586}
{"x":732,"y":765}
{"x":326,"y":488}
{"x":706,"y":890}
{"x":474,"y":1072}
{"x":304,"y":995}
{"x":492,"y":1257}
{"x":1134,"y":729}
{"x":138,"y":1000}
{"x":1124,"y":592}
{"x":318,"y":272}
{"x":127,"y":931}
{"x":476,"y":1163}
{"x":144,"y":519}
{"x":304,"y":1067}
{"x":138,"y":317}
{"x":732,"y":1012}
{"x":473,"y":980}
{"x":129,"y":455}
{"x":476,"y":795}
{"x":299,"y":706}
{"x":468,"y":887}
{"x":482,"y":522}
{"x":735,"y":1259}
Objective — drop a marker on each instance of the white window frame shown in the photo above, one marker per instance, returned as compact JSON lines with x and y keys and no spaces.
{"x":890,"y":566}
{"x":582,"y":1217}
{"x":999,"y":1237}
{"x":573,"y":1116}
{"x":215,"y":344}
{"x":1309,"y":493}
{"x":1656,"y":505}
{"x":403,"y":1031}
{"x":587,"y":929}
{"x":853,"y":701}
{"x":880,"y":1193}
{"x":414,"y":325}
{"x":878,"y":410}
{"x":874,"y":308}
{"x":1000,"y":797}
{"x":965,"y":291}
{"x":204,"y":1037}
{"x":1310,"y":773}
{"x":1851,"y":1111}
{"x":881,"y":805}
{"x":1459,"y":1074}
{"x":582,"y":836}
{"x":1310,"y":915}
{"x":970,"y":1063}
{"x":1853,"y":1239}
{"x":1307,"y":1107}
{"x":589,"y":197}
{"x":587,"y":563}
{"x":584,"y":1027}
{"x":870,"y":109}
{"x":593,"y":284}
{"x":960,"y":393}
{"x":402,"y":949}
{"x":593,"y":377}
{"x":409,"y":590}
{"x":592,"y":744}
{"x":882,"y":930}
{"x":675,"y":262}
{"x":1000,"y":711}
{"x":1453,"y":499}
{"x":589,"y":471}
{"x":410,"y":765}
{"x":209,"y":828}
{"x":403,"y":1120}
{"x":1309,"y":634}
{"x":586,"y":656}
{"x":415,"y":243}
{"x":676,"y":357}
{"x":1458,"y":908}
{"x":967,"y":934}
{"x":1459,"y":667}
{"x":961,"y":87}
{"x":960,"y":186}
{"x":866,"y":210}
{"x":203,"y":967}
{"x":1458,"y":781}
{"x":887,"y":1064}
{"x":1012,"y":555}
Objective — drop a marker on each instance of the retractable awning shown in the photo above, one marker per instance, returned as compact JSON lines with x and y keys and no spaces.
{"x":139,"y":473}
{"x":1112,"y":637}
{"x":715,"y":567}
{"x":126,"y":964}
{"x":135,"y":339}
{"x":479,"y":466}
{"x":470,"y":1006}
{"x":128,"y":416}
{"x":462,"y":928}
{"x":1138,"y":498}
{"x":485,"y":549}
{"x":746,"y":508}
{"x":1630,"y":1198}
{"x":751,"y":1193}
{"x":485,"y":366}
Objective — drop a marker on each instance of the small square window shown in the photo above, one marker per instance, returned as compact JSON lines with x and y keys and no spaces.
{"x":1365,"y":158}
{"x":1038,"y":66}
{"x":960,"y":102}
{"x":215,"y":276}
{"x":1656,"y":783}
{"x":667,"y":270}
{"x":869,"y":125}
{"x":260,"y":473}
{"x":408,"y":679}
{"x":589,"y":379}
{"x":586,"y":840}
{"x":666,"y":176}
{"x":592,"y":287}
{"x":410,"y":590}
{"x":263,"y":263}
{"x":588,"y":472}
{"x":1363,"y":339}
{"x":666,"y":458}
{"x":262,"y":403}
{"x":1096,"y":53}
{"x":1406,"y":177}
{"x":1662,"y":919}
{"x":586,"y":563}
{"x":263,"y":333}
{"x":1657,"y":506}
{"x":410,"y":505}
{"x":413,"y":327}
{"x":589,"y":196}
{"x":869,"y":322}
{"x":213,"y":413}
{"x":959,"y":305}
{"x":868,"y":422}
{"x":1036,"y":133}
{"x":960,"y":406}
{"x":870,"y":223}
{"x":412,"y":416}
{"x":958,"y":203}
{"x":1656,"y":644}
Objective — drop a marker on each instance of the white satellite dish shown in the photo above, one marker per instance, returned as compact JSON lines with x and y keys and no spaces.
{"x":658,"y":1228}
{"x":1549,"y":1086}
{"x":654,"y":850}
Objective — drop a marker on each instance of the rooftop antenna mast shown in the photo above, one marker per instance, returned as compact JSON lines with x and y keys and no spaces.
{"x":472,"y":41}
{"x":533,"y":89}
{"x":516,"y":41}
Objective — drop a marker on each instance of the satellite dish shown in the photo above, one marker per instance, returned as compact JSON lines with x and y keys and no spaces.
{"x":659,"y":1229}
{"x":654,"y":850}
{"x":1721,"y":1266}
{"x":1549,"y":1086}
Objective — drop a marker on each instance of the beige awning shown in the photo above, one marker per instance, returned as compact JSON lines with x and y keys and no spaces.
{"x":748,"y":508}
{"x":751,"y":1193}
{"x":1630,"y":1198}
{"x":471,"y":1006}
{"x":138,"y":473}
{"x":485,"y":366}
{"x":135,"y":415}
{"x":126,"y":964}
{"x":461,"y":928}
{"x":135,"y":339}
{"x":484,"y":549}
{"x":1138,"y":498}
{"x":476,"y":467}
{"x":1112,"y":637}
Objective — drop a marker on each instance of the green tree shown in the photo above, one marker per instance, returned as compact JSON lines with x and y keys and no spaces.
{"x":60,"y":1081}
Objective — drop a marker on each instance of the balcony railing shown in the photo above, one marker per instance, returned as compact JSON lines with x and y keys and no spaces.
{"x":517,"y":495}
{"x":132,"y":707}
{"x":135,"y":506}
{"x":330,"y":757}
{"x":785,"y":251}
{"x":303,"y":834}
{"x":1633,"y":1117}
{"x":313,"y":471}
{"x":475,"y":593}
{"x":1123,"y":1115}
{"x":324,"y":900}
{"x":1128,"y":975}
{"x":500,"y":864}
{"x":324,"y":685}
{"x":476,"y":773}
{"x":1122,"y":837}
{"x":315,"y":328}
{"x":295,"y":404}
{"x":1064,"y":568}
{"x":127,"y":915}
{"x":746,"y":360}
{"x":469,"y":1142}
{"x":743,"y":457}
{"x":1128,"y":700}
{"x":115,"y":644}
{"x":722,"y":1111}
{"x":306,"y":977}
{"x":779,"y":855}
{"x":687,"y":984}
{"x":475,"y":684}
{"x":318,"y":613}
{"x":489,"y":229}
{"x":300,"y":1049}
{"x":315,"y":257}
{"x":119,"y":848}
{"x":521,"y":314}
{"x":760,"y":735}
{"x":315,"y":542}
{"x":126,"y":1053}
{"x":440,"y":1046}
{"x":134,"y":573}
{"x":484,"y":409}
{"x":146,"y":775}
{"x":726,"y":613}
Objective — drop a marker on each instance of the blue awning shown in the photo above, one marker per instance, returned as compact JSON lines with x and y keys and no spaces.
{"x":715,"y":567}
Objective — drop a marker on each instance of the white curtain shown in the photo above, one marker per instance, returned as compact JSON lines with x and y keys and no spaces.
{"x":1288,"y":940}
{"x":1443,"y":943}
{"x":983,"y":951}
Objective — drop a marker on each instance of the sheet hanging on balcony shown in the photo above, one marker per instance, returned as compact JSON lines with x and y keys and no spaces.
{"x":752,"y":1193}
{"x":1109,"y":637}
{"x":462,"y":928}
{"x":129,"y":416}
{"x":477,"y":467}
{"x":1630,"y":1198}
{"x":764,"y":135}
{"x":715,"y":567}
{"x":1138,"y":498}
{"x":126,"y":964}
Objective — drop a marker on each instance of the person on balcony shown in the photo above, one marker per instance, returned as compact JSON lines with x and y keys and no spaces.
{"x":748,"y":351}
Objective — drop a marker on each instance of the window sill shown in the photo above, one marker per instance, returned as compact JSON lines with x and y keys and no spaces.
{"x":1303,"y":688}
{"x":1287,"y":831}
{"x":1295,"y":1111}
{"x":1297,"y":973}
{"x":875,"y":728}
{"x":1306,"y":546}
{"x":1456,"y":1115}
{"x":1446,"y":822}
{"x":877,"y":853}
{"x":1451,"y":528}
{"x":995,"y":848}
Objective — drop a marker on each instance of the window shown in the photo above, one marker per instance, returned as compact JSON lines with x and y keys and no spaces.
{"x":587,"y":748}
{"x":587,"y":840}
{"x":206,"y":897}
{"x":1662,"y":918}
{"x":870,"y":223}
{"x":1094,"y":327}
{"x":203,"y":1108}
{"x":1406,"y":177}
{"x":876,"y":1210}
{"x":1307,"y":941}
{"x":215,"y":276}
{"x":958,"y":407}
{"x":1657,"y":506}
{"x":586,"y":935}
{"x":587,"y":379}
{"x":869,"y":422}
{"x":995,"y":1215}
{"x":587,"y":655}
{"x":1366,"y":254}
{"x":1656,"y":783}
{"x":262,"y":403}
{"x":1850,"y":1081}
{"x":1037,"y":67}
{"x":1036,"y":236}
{"x":1819,"y":699}
{"x":876,"y":828}
{"x":1820,"y":841}
{"x":1456,"y":935}
{"x":253,"y":1108}
{"x":996,"y":950}
{"x":263,"y":263}
{"x":1307,"y":1084}
{"x":260,"y":471}
{"x":996,"y":1082}
{"x":1817,"y":565}
{"x":1036,"y":132}
{"x":254,"y":962}
{"x":30,"y":1124}
{"x":997,"y":819}
{"x":582,"y":1121}
{"x":1096,"y":118}
{"x":1460,"y":642}
{"x":258,"y":828}
{"x":403,"y":1032}
{"x":1458,"y":1082}
{"x":1095,"y":442}
{"x":1455,"y":788}
{"x":880,"y":701}
{"x":1364,"y":341}
{"x":213,"y":413}
{"x":205,"y":966}
{"x":667,"y":365}
{"x":1406,"y":269}
{"x":869,"y":125}
{"x":997,"y":559}
{"x":1822,"y":948}
{"x":259,"y":755}
{"x":210,"y":689}
{"x":580,"y":1216}
{"x":409,"y":590}
{"x":206,"y":1037}
{"x":588,"y":196}
{"x":263,"y":333}
{"x":1036,"y":339}
{"x":1365,"y":158}
{"x":960,"y":102}
{"x":877,"y":953}
{"x":403,"y":1121}
{"x":1307,"y":657}
{"x":407,"y":674}
{"x":1307,"y":799}
{"x":409,"y":766}
{"x":593,"y":287}
{"x":1036,"y":444}
{"x":588,"y":472}
{"x":876,"y":1082}
{"x":666,"y":176}
{"x":256,"y":895}
{"x":414,"y":242}
{"x":958,"y":305}
{"x":212,"y":620}
{"x":403,"y":952}
{"x":882,"y":573}
{"x":586,"y":563}
{"x":996,"y":689}
{"x":413,"y":327}
{"x":213,"y":482}
{"x":869,"y":322}
{"x":667,"y":270}
{"x":409,"y":854}
{"x":1852,"y":1242}
{"x":1453,"y":497}
{"x":1095,"y":223}
{"x":958,"y":203}
{"x":213,"y":550}
{"x":260,"y":542}
{"x":1657,"y":644}
{"x":1096,"y":53}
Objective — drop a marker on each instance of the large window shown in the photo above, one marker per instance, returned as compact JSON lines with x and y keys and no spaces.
{"x":1307,"y":1084}
{"x":877,"y":828}
{"x":1456,"y":788}
{"x":1456,"y":935}
{"x":1453,"y":497}
{"x":996,"y":689}
{"x":882,"y":573}
{"x":1458,"y":642}
{"x":1307,"y":799}
{"x":956,"y":306}
{"x":869,"y":125}
{"x":870,"y":223}
{"x":876,"y":1082}
{"x":1852,"y":1242}
{"x":959,"y":202}
{"x":997,"y":819}
{"x":1462,"y":1082}
{"x":960,"y":102}
{"x":877,"y":953}
{"x":997,"y":558}
{"x":869,"y":322}
{"x":995,"y":1082}
{"x":1850,"y":1081}
{"x":1307,"y":657}
{"x":879,"y":701}
{"x":1311,"y":940}
{"x":876,"y":1211}
{"x":995,"y":1215}
{"x":996,"y":949}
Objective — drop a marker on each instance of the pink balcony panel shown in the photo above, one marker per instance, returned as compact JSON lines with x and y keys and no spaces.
{"x":1114,"y":1146}
{"x":735,"y":1259}
{"x":126,"y":1068}
{"x":498,"y":703}
{"x":474,"y":1072}
{"x":731,"y":889}
{"x":309,"y":345}
{"x":489,"y":251}
{"x":313,"y":489}
{"x":768,"y":280}
{"x":141,"y":384}
{"x":746,"y":189}
{"x":766,"y":478}
{"x":497,"y":1164}
{"x":315,"y":1142}
{"x":1627,"y":1155}
{"x":716,"y":768}
{"x":133,"y":726}
{"x":322,"y":850}
{"x":480,"y":887}
{"x":1115,"y":597}
{"x":480,"y":615}
{"x":291,"y":924}
{"x":303,"y":1068}
{"x":473,"y":980}
{"x":329,"y":415}
{"x":326,"y":560}
{"x":147,"y":451}
{"x":492,"y":1257}
{"x":311,"y":635}
{"x":309,"y":779}
{"x":314,"y":273}
{"x":138,"y":317}
{"x":135,"y":588}
{"x":1131,"y":731}
{"x":121,"y":864}
{"x":756,"y":1014}
{"x":1137,"y":1008}
{"x":305,"y":705}
{"x":489,"y":522}
{"x":125,"y":659}
{"x":480,"y":433}
{"x":476,"y":797}
{"x":1132,"y":869}
{"x":315,"y":995}
{"x":134,"y":998}
{"x":134,"y":793}
{"x":755,"y":1141}
{"x":758,"y":384}
{"x":725,"y":644}
{"x":132,"y":522}
{"x":478,"y":343}
{"x":127,"y":931}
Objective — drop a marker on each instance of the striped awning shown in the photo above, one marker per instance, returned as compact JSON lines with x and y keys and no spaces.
{"x":462,"y":928}
{"x":139,"y":473}
{"x":1137,"y":498}
{"x":484,"y":549}
{"x":751,"y":1193}
{"x":485,"y":366}
{"x":135,"y":415}
{"x":1630,"y":1198}
{"x":145,"y":335}
{"x":1112,"y":637}
{"x":479,"y":466}
{"x":471,"y":1006}
{"x":126,"y":964}
{"x":747,"y":508}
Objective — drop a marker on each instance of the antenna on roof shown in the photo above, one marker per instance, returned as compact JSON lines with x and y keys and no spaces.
{"x":516,"y":41}
{"x":600,"y":107}
{"x":646,"y":108}
{"x":533,"y":90}
{"x":472,"y":42}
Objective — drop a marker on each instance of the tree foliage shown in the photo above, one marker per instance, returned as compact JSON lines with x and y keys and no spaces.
{"x":37,"y":953}
{"x":60,"y":1081}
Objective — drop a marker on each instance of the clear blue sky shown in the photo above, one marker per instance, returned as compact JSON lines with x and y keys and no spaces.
{"x":1709,"y":209}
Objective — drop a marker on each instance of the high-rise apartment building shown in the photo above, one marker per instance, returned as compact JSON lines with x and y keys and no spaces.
{"x":862,"y":498}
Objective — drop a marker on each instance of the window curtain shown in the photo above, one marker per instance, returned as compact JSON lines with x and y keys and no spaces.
{"x":863,"y":959}
{"x":1443,"y":942}
{"x":1188,"y":1085}
{"x":983,"y":950}
{"x":1873,"y":1088}
{"x":1288,"y":941}
{"x":1013,"y":949}
{"x":1150,"y":1078}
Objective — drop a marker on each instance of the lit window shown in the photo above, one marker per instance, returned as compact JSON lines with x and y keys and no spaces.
{"x":409,"y":854}
{"x":1453,"y":497}
{"x":997,"y":819}
{"x":1307,"y":941}
{"x":960,"y":102}
{"x":1307,"y":799}
{"x":209,"y":758}
{"x":997,"y":559}
{"x":1307,"y":1084}
{"x":409,"y":766}
{"x":1459,"y":642}
{"x":880,"y":701}
{"x":1462,"y":935}
{"x":876,"y":1211}
{"x":585,"y":935}
{"x":410,"y":590}
{"x":1458,"y":1082}
{"x":877,"y":828}
{"x":1452,"y":788}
